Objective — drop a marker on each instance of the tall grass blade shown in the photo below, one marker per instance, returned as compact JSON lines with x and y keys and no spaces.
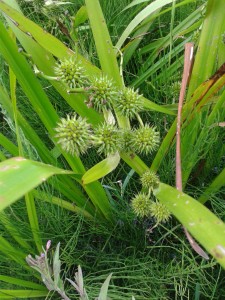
{"x":8,"y":145}
{"x":33,"y":219}
{"x":22,"y":294}
{"x":62,"y":203}
{"x":214,"y":187}
{"x":12,"y":253}
{"x":22,"y":283}
{"x":13,"y":231}
{"x":148,"y":10}
{"x":31,"y":210}
{"x":106,"y":52}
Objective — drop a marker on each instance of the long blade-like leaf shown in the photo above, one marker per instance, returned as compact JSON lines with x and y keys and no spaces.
{"x":217,"y":183}
{"x":21,"y":282}
{"x":22,"y":294}
{"x":148,"y":10}
{"x":106,"y":52}
{"x":199,"y":221}
{"x":19,"y":175}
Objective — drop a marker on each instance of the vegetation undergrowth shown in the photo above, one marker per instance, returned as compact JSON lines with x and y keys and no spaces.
{"x":106,"y":236}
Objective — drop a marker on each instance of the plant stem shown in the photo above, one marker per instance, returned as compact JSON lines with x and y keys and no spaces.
{"x":188,"y":59}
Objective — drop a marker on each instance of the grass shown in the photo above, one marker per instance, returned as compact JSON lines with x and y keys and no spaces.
{"x":157,"y":265}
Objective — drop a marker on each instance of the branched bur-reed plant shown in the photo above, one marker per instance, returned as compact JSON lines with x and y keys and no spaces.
{"x":76,"y":136}
{"x":106,"y":116}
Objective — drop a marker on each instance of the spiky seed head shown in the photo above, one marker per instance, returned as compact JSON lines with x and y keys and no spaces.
{"x":129,"y":102}
{"x":150,"y":180}
{"x":175,"y":89}
{"x":127,"y":144}
{"x":74,"y":134}
{"x":160,"y":212}
{"x":71,"y":73}
{"x":141,"y":205}
{"x":107,"y":139}
{"x":102,"y":93}
{"x":145,"y":139}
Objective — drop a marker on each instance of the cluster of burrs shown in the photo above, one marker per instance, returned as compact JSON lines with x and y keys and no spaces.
{"x":76,"y":135}
{"x":144,"y":205}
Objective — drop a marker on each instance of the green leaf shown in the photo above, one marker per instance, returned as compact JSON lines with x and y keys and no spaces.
{"x":217,"y":183}
{"x":23,"y":283}
{"x":62,"y":203}
{"x":21,"y":294}
{"x":135,"y":162}
{"x":80,"y":17}
{"x":199,"y":221}
{"x":106,"y":52}
{"x":45,"y":39}
{"x":13,"y":230}
{"x":7,"y":144}
{"x":12,"y":253}
{"x":135,"y":2}
{"x":148,"y":10}
{"x":33,"y":219}
{"x":104,"y":289}
{"x":28,"y":81}
{"x":153,"y":106}
{"x":136,"y":40}
{"x":101,"y":169}
{"x":19,"y":175}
